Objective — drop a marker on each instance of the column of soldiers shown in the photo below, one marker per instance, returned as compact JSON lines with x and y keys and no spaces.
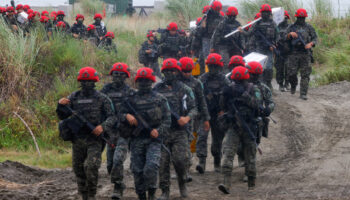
{"x":155,"y":123}
{"x":54,"y":22}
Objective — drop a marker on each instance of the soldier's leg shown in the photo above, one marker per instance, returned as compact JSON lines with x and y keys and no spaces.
{"x":180,"y":159}
{"x":240,"y":155}
{"x":164,"y":172}
{"x":216,"y":145}
{"x":151,"y":168}
{"x":110,"y":155}
{"x":205,"y":47}
{"x":155,"y":67}
{"x":293,"y":72}
{"x":250,"y":159}
{"x":117,"y":174}
{"x":202,"y":148}
{"x":279,"y":65}
{"x":268,"y":72}
{"x":138,"y":159}
{"x":305,"y":72}
{"x":224,"y":52}
{"x":93,"y":163}
{"x":79,"y":154}
{"x":229,"y":149}
{"x":285,"y":73}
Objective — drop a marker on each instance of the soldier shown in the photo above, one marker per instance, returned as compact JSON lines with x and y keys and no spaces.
{"x":196,"y":46}
{"x":227,"y":47}
{"x":79,"y":29}
{"x":214,"y":81}
{"x":241,"y":106}
{"x":60,"y":18}
{"x":61,"y":27}
{"x":302,"y":37}
{"x":196,"y":85}
{"x":146,"y":146}
{"x":209,"y":24}
{"x":265,"y":34}
{"x":118,"y":91}
{"x":281,"y":60}
{"x":130,"y":10}
{"x":170,"y":42}
{"x":148,"y":54}
{"x":26,"y":8}
{"x":10,"y":18}
{"x":19,"y":8}
{"x":235,"y":61}
{"x":107,"y":43}
{"x":100,"y":26}
{"x":183,"y":110}
{"x":92,"y":35}
{"x":2,"y":12}
{"x":45,"y":22}
{"x":53,"y":17}
{"x":97,"y":108}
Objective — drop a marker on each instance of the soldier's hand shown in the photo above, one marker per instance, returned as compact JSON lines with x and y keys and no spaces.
{"x":272,"y":47}
{"x":183,"y":120}
{"x":155,"y":33}
{"x":293,"y":34}
{"x":148,"y":51}
{"x":206,"y":126}
{"x":221,"y":113}
{"x":192,"y":53}
{"x":154,"y":133}
{"x":212,"y":50}
{"x":309,"y":45}
{"x":240,"y":29}
{"x":64,"y":101}
{"x":98,"y":130}
{"x":131,"y":119}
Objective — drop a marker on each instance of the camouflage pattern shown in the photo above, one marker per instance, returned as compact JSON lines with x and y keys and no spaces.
{"x":108,"y":45}
{"x":227,"y":47}
{"x":281,"y":61}
{"x":150,"y":60}
{"x":177,"y":139}
{"x":117,"y":156}
{"x":79,"y":29}
{"x":248,"y":107}
{"x":169,"y":46}
{"x":146,"y":151}
{"x":101,"y":29}
{"x":300,"y":58}
{"x":98,"y":110}
{"x":213,"y":92}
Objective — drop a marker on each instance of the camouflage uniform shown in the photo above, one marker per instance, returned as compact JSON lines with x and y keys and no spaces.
{"x":108,"y":45}
{"x":247,"y":103}
{"x":227,"y":47}
{"x":213,"y":92}
{"x":169,"y":46}
{"x":87,"y":148}
{"x":101,"y":29}
{"x":177,"y":138}
{"x":150,"y":60}
{"x":79,"y":29}
{"x":146,"y":151}
{"x":270,"y":31}
{"x":281,"y":61}
{"x":196,"y":47}
{"x":67,"y":24}
{"x":117,"y":156}
{"x":299,"y":58}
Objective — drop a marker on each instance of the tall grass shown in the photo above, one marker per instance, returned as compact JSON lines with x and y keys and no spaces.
{"x":92,"y":6}
{"x":186,"y":10}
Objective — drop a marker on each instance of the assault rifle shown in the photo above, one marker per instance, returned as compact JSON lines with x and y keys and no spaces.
{"x":177,"y":116}
{"x":76,"y":126}
{"x":267,"y":42}
{"x":234,"y":113}
{"x":300,"y":39}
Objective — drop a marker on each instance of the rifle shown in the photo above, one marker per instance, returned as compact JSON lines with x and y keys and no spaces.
{"x":300,"y":38}
{"x":244,"y":125}
{"x":268,"y":43}
{"x":84,"y":121}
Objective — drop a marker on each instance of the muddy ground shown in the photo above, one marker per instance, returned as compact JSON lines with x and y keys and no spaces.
{"x":306,"y":157}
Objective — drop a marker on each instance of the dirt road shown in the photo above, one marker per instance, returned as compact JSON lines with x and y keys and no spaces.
{"x":306,"y":157}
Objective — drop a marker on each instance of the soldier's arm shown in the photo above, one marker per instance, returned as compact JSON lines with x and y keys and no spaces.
{"x":62,"y":112}
{"x":253,"y":98}
{"x":202,"y":104}
{"x":217,"y":36}
{"x":268,"y":99}
{"x":191,"y":103}
{"x":166,"y":118}
{"x":313,"y":35}
{"x":110,"y":116}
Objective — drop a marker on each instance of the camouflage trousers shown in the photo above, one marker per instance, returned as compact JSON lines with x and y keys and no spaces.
{"x":145,"y":158}
{"x":268,"y":70}
{"x":118,"y":158}
{"x":155,"y":66}
{"x":86,"y":162}
{"x":233,"y":137}
{"x":281,"y":70}
{"x":177,"y":144}
{"x":226,"y":54}
{"x":299,"y":62}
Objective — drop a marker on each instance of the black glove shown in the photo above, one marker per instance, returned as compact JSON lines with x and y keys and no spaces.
{"x":267,"y":111}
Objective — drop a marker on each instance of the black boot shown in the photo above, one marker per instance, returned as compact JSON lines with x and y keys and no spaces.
{"x":293,"y":89}
{"x":142,"y":196}
{"x":251,"y":183}
{"x":225,"y":187}
{"x":183,"y":188}
{"x":165,"y":194}
{"x":117,"y":192}
{"x":152,"y":194}
{"x":201,"y":165}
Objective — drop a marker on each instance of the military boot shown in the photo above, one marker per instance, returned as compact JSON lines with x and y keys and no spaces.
{"x":287,"y":86}
{"x":217,"y":165}
{"x":303,"y":97}
{"x":201,"y":165}
{"x":165,"y":194}
{"x":91,"y":198}
{"x":152,"y":194}
{"x":281,"y":88}
{"x":117,"y":192}
{"x":251,"y":183}
{"x":225,"y":187}
{"x":293,"y":89}
{"x":83,"y":196}
{"x":142,"y":196}
{"x":183,"y":188}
